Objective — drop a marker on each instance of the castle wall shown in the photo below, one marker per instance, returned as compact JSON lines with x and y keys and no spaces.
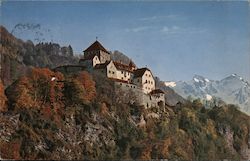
{"x":124,"y":75}
{"x":111,"y":70}
{"x":133,"y":93}
{"x":104,"y":56}
{"x":86,"y":63}
{"x":138,"y":82}
{"x":95,"y":61}
{"x":148,"y":82}
{"x":100,"y":71}
{"x":89,"y":53}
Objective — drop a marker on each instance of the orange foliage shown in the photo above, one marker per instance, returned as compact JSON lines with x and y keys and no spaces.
{"x":10,"y":150}
{"x":49,"y":86}
{"x":22,"y":94}
{"x":3,"y":99}
{"x":146,"y":153}
{"x":82,"y":88}
{"x":40,"y":89}
{"x":165,"y":148}
{"x":47,"y":112}
{"x":88,"y":84}
{"x":104,"y":109}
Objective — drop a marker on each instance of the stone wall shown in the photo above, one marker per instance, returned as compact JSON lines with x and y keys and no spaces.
{"x":104,"y":57}
{"x":134,"y":94}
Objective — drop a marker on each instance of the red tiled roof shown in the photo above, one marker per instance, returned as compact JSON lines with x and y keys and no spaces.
{"x":139,"y":72}
{"x":156,"y":91}
{"x":96,"y":46}
{"x":121,"y":66}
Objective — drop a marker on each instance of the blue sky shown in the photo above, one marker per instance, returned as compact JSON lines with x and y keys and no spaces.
{"x":174,"y":39}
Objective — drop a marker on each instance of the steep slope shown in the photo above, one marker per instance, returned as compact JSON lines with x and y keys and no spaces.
{"x":17,"y":56}
{"x":171,"y":97}
{"x":71,"y":125}
{"x":232,"y":89}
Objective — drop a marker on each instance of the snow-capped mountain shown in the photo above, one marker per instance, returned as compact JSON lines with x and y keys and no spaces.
{"x":232,"y":89}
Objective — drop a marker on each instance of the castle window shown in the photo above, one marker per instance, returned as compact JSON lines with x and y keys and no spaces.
{"x":122,"y":78}
{"x":122,"y":72}
{"x":134,"y":86}
{"x":137,"y":80}
{"x":109,"y":71}
{"x":121,"y":84}
{"x":146,"y":75}
{"x":113,"y":72}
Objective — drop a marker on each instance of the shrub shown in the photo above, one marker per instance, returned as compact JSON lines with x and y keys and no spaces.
{"x":3,"y":99}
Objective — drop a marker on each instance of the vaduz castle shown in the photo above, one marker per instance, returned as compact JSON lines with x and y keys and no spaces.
{"x":127,"y":77}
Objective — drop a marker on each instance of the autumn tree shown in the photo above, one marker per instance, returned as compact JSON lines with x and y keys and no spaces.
{"x":3,"y":99}
{"x":80,"y":89}
{"x":48,"y":85}
{"x":146,"y":153}
{"x":42,"y":88}
{"x":10,"y":150}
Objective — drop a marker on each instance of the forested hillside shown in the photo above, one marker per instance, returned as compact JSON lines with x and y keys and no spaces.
{"x":18,"y":57}
{"x":79,"y":117}
{"x":50,"y":115}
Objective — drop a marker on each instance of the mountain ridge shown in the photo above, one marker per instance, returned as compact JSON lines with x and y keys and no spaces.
{"x":232,"y":89}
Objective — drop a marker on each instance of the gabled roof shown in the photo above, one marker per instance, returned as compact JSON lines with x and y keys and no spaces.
{"x":95,"y":47}
{"x":121,"y":66}
{"x":102,"y":66}
{"x":139,"y":72}
{"x":156,"y":91}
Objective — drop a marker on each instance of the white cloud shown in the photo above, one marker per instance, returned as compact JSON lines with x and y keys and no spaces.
{"x":171,"y":30}
{"x":138,"y":29}
{"x":180,"y":30}
{"x":165,"y":29}
{"x":162,"y":17}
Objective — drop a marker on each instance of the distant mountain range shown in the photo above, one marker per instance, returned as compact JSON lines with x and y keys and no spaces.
{"x":232,"y":89}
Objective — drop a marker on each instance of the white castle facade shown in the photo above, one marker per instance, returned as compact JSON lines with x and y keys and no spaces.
{"x":127,"y":77}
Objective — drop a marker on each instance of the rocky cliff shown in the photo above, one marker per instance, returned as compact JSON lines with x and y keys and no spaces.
{"x":80,"y":117}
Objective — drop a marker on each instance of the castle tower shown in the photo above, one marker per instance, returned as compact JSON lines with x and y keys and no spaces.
{"x":96,"y":49}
